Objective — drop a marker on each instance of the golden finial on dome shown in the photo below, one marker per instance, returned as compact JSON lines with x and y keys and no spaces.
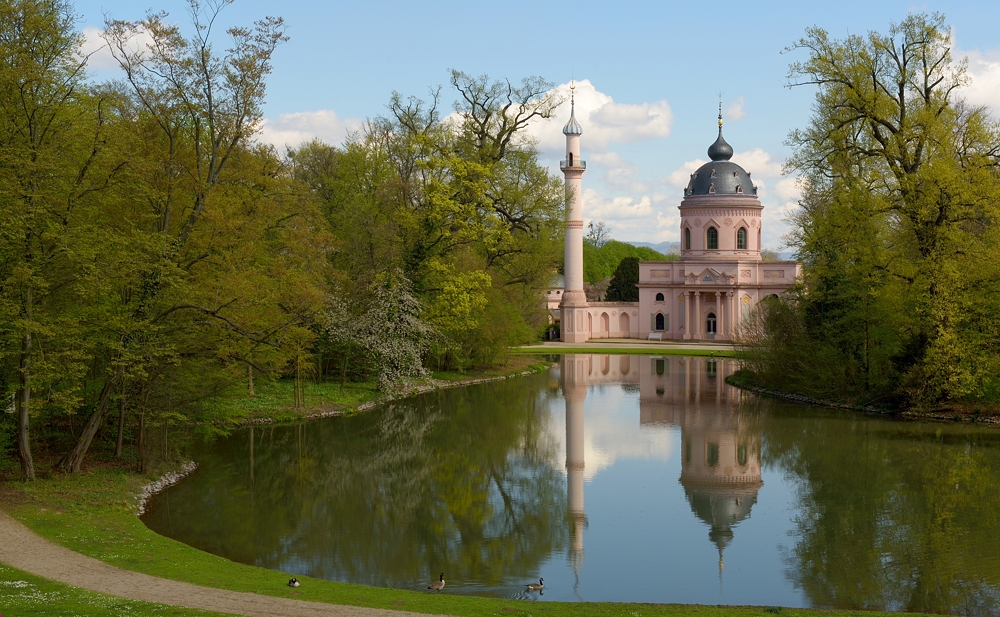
{"x":720,"y":111}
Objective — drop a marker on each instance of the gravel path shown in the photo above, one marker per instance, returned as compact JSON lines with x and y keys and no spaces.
{"x":21,"y":548}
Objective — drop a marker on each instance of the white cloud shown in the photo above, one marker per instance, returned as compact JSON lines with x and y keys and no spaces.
{"x":789,"y":189}
{"x":98,"y":53}
{"x":294,"y":129}
{"x":681,"y":176}
{"x":758,"y":163}
{"x":735,"y":111}
{"x":984,"y":71}
{"x":604,"y":121}
{"x":651,"y":217}
{"x":619,"y":173}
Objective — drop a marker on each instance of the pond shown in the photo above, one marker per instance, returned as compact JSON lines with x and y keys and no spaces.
{"x":615,"y":478}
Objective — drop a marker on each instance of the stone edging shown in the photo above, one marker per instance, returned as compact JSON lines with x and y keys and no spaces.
{"x":168,"y":479}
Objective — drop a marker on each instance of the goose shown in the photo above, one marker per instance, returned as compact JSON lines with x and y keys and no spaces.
{"x":293,"y":582}
{"x":540,"y":585}
{"x":437,"y":585}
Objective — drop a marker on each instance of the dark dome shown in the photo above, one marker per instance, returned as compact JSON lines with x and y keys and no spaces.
{"x":719,"y":176}
{"x":721,"y":508}
{"x":720,"y":150}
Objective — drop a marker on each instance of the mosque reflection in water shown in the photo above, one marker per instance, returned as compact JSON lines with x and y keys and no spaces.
{"x":720,"y":450}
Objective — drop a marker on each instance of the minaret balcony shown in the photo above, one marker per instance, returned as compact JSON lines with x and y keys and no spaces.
{"x":563,"y":165}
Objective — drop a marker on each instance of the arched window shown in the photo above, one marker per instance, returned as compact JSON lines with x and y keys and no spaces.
{"x":713,"y":239}
{"x":741,"y":239}
{"x":570,"y":159}
{"x":659,"y":321}
{"x":712,"y":454}
{"x":710,"y":324}
{"x":687,"y":239}
{"x":659,"y":297}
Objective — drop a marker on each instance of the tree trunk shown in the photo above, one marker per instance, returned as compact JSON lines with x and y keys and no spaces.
{"x":121,"y":424}
{"x":166,"y":429}
{"x":250,"y":380}
{"x":141,"y":442}
{"x":23,"y":401}
{"x":70,"y":463}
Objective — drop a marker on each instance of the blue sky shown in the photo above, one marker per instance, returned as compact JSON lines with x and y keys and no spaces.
{"x":649,"y":76}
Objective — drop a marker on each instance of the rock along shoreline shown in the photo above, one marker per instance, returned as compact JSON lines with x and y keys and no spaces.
{"x":162,"y":483}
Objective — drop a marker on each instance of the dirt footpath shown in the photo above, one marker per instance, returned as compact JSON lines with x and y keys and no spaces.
{"x":21,"y":548}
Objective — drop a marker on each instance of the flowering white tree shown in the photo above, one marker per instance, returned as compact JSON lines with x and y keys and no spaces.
{"x":385,"y":328}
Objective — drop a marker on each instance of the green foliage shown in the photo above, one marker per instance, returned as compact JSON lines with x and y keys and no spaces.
{"x":461,"y":208}
{"x":600,"y":263}
{"x":899,"y":223}
{"x":623,"y":283}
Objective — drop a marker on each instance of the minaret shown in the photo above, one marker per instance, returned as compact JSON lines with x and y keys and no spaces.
{"x":574,"y":301}
{"x":573,"y":374}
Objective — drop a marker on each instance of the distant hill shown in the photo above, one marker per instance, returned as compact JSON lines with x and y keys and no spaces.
{"x":665,"y":248}
{"x":600,"y":263}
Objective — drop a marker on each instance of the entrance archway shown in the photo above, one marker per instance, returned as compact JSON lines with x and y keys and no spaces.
{"x":710,"y":326}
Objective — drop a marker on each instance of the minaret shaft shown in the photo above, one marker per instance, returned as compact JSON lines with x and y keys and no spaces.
{"x":573,"y":326}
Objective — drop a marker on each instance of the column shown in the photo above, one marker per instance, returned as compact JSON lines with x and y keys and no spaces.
{"x":721,"y":317}
{"x":687,"y":316}
{"x":696,"y":321}
{"x":735,"y":310}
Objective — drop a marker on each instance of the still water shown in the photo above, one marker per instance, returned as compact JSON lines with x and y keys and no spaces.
{"x":617,"y":478}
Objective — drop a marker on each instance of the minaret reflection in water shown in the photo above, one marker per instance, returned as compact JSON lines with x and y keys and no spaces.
{"x":720,"y":450}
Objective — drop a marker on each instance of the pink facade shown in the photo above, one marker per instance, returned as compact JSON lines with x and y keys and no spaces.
{"x":718,"y":279}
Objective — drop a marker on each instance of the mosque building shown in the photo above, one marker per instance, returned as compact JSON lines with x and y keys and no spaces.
{"x":706,"y":293}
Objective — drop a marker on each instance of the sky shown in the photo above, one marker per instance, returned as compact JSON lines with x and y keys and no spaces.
{"x":648,"y":76}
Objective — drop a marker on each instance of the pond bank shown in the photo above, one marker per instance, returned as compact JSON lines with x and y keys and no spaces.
{"x":742,"y":381}
{"x":94,"y":514}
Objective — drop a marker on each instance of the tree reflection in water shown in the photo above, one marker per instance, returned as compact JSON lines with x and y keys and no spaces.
{"x":384,"y":498}
{"x":891,"y":515}
{"x":884,"y":514}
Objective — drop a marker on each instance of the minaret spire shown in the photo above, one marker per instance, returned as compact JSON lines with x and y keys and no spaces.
{"x":720,"y":150}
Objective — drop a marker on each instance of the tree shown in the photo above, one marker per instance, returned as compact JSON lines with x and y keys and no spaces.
{"x":623,"y":283}
{"x":206,"y":289}
{"x":899,"y":221}
{"x":598,"y":233}
{"x":52,"y":134}
{"x":461,"y":206}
